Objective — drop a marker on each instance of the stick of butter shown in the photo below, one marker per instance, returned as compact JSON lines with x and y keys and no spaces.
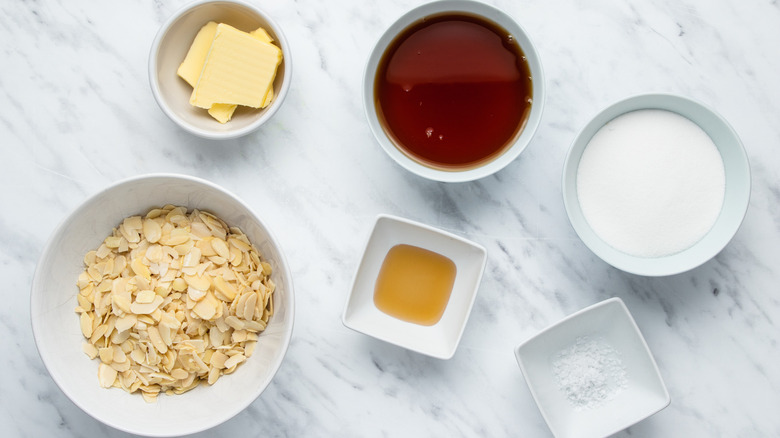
{"x":223,"y":112}
{"x":238,"y":70}
{"x":197,"y":57}
{"x":190,"y":68}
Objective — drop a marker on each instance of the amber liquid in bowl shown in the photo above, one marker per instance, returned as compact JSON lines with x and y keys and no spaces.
{"x":453,"y":91}
{"x":414,"y":284}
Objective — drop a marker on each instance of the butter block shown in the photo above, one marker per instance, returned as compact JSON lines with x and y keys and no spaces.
{"x":190,"y":68}
{"x":262,"y":35}
{"x":239,"y":70}
{"x":223,"y":112}
{"x":268,"y":97}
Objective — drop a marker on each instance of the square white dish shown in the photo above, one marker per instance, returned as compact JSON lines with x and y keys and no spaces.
{"x":643,"y":392}
{"x":441,"y":339}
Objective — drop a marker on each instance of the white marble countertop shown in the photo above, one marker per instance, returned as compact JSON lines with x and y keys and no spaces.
{"x":77,"y":114}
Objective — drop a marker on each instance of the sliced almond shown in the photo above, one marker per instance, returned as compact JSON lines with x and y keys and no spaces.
{"x":125,"y":322}
{"x":198,"y":282}
{"x":86,"y":324}
{"x":165,"y":334}
{"x":146,"y":308}
{"x":145,"y":296}
{"x":137,"y":265}
{"x":248,"y":311}
{"x":214,"y":374}
{"x":177,"y":237}
{"x":234,"y":322}
{"x":195,"y":294}
{"x":120,"y":303}
{"x":218,"y":359}
{"x":234,"y":360}
{"x":207,"y":307}
{"x":225,"y":288}
{"x":90,"y":350}
{"x":106,"y":375}
{"x":221,"y":248}
{"x":152,"y":230}
{"x":249,"y":348}
{"x":157,"y":342}
{"x":179,"y":284}
{"x":106,"y":354}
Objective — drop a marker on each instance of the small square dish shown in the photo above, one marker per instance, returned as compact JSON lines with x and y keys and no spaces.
{"x":440,"y":338}
{"x":592,"y":374}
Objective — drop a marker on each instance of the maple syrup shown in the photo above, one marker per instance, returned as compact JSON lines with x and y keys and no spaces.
{"x":453,"y":91}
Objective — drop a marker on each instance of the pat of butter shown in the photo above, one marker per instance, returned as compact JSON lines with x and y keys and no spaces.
{"x":223,"y":112}
{"x":190,"y":68}
{"x":239,"y":70}
{"x":262,"y":35}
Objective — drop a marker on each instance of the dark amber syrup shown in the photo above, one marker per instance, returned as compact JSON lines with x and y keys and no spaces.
{"x":453,"y":91}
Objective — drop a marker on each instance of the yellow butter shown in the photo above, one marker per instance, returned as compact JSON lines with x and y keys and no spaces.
{"x":268,"y":97}
{"x":223,"y":112}
{"x":190,"y":68}
{"x":239,"y":70}
{"x":262,"y":35}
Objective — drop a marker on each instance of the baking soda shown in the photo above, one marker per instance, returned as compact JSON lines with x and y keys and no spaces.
{"x":589,"y":373}
{"x":651,"y":183}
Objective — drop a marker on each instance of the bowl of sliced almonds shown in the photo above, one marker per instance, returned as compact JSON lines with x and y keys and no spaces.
{"x":162,"y":305}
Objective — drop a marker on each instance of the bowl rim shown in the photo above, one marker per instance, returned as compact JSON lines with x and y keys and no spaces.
{"x":731,"y":215}
{"x":613,"y":301}
{"x":48,"y":248}
{"x":262,"y":117}
{"x":525,"y":137}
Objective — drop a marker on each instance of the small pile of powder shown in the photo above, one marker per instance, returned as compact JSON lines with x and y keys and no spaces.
{"x":590,"y":372}
{"x":651,"y":183}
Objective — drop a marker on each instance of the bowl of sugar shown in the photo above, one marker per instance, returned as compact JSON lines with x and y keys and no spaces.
{"x":656,"y":184}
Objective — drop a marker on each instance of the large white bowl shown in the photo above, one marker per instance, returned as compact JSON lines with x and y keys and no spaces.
{"x":474,"y":8}
{"x":56,"y":327}
{"x":735,"y":203}
{"x":170,"y":46}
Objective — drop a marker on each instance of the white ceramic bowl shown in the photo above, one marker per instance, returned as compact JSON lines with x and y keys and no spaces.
{"x":609,"y":326}
{"x":59,"y":339}
{"x":473,"y":8}
{"x":441,"y":339}
{"x":735,"y":203}
{"x":170,"y":47}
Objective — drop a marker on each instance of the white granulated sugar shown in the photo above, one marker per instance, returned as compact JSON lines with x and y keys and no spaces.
{"x":651,"y":183}
{"x":589,"y":373}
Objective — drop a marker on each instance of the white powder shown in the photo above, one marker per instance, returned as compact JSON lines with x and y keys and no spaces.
{"x":651,"y":183}
{"x":589,"y":373}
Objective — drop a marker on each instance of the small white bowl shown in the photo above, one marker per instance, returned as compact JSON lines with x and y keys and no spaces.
{"x":609,"y":323}
{"x":735,"y":203}
{"x":58,"y":335}
{"x":170,"y":46}
{"x":441,"y":339}
{"x":473,"y":8}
